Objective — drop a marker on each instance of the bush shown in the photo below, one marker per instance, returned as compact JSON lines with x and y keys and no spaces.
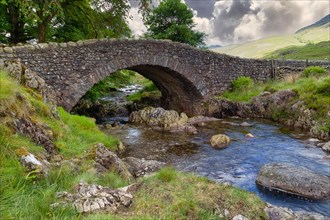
{"x":314,"y":71}
{"x":324,"y":87}
{"x":242,"y":83}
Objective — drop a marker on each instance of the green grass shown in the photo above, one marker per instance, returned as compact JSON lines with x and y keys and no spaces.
{"x":174,"y":195}
{"x":149,"y":90}
{"x":116,"y":80}
{"x":77,"y":134}
{"x":25,"y":195}
{"x":318,"y":51}
{"x":313,"y":91}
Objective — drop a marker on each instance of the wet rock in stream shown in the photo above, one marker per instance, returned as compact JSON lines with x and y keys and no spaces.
{"x":167,"y":120}
{"x":294,"y":180}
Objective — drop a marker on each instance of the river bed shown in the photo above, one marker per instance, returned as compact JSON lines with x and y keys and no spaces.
{"x":239,"y":163}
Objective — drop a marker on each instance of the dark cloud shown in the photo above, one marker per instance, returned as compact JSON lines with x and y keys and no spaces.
{"x":204,"y":8}
{"x":228,"y":18}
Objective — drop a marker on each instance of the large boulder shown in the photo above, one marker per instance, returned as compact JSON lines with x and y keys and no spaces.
{"x":168,"y":120}
{"x":220,"y":141}
{"x":294,"y":180}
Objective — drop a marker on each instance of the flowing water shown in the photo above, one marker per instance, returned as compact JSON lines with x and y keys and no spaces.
{"x":239,"y":163}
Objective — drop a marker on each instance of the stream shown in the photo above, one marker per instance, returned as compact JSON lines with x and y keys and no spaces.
{"x":239,"y":163}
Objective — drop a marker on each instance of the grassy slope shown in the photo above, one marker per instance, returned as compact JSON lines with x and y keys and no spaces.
{"x":319,"y":51}
{"x":26,"y":196}
{"x":263,"y":47}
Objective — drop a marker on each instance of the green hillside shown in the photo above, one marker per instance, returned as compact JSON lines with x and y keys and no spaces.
{"x":319,"y":51}
{"x":266,"y":46}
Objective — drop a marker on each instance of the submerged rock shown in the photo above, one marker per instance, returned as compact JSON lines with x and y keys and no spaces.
{"x":201,"y":119}
{"x":168,"y":120}
{"x":220,"y":141}
{"x":294,"y":180}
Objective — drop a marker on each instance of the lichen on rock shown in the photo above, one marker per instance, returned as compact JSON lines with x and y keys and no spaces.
{"x":220,"y":141}
{"x":168,"y":120}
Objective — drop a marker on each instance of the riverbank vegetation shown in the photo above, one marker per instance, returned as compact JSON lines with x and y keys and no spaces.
{"x":26,"y":194}
{"x":312,"y":88}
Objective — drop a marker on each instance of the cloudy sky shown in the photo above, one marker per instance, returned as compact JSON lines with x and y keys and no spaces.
{"x":236,"y":21}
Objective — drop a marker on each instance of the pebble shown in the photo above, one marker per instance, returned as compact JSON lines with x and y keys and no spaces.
{"x":249,"y":135}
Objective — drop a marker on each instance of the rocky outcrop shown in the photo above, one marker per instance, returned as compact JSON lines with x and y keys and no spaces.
{"x":167,"y":120}
{"x":93,"y":198}
{"x":220,"y":141}
{"x":282,"y":106}
{"x":109,"y":161}
{"x":294,"y":180}
{"x":140,"y":167}
{"x":40,"y":133}
{"x":27,"y":77}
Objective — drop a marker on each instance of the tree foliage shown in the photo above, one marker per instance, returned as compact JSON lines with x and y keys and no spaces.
{"x":64,"y":20}
{"x":173,"y":20}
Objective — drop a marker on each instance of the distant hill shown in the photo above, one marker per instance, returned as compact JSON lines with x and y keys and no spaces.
{"x":323,"y":21}
{"x":319,"y":51}
{"x":266,"y":46}
{"x":213,"y":46}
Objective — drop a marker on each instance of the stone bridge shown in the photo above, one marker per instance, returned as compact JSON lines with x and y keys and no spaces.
{"x":186,"y":76}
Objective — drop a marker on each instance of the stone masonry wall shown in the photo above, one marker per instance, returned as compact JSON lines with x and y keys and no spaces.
{"x":186,"y":76}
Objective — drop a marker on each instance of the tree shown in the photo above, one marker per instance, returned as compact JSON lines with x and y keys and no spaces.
{"x":173,"y":20}
{"x":82,"y":21}
{"x":14,"y":22}
{"x":83,"y":18}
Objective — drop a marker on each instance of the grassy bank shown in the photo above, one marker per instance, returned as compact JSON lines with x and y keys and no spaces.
{"x":319,"y":51}
{"x":312,"y":87}
{"x":27,"y":195}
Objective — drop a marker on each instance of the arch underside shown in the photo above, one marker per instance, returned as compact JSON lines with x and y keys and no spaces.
{"x":178,"y":93}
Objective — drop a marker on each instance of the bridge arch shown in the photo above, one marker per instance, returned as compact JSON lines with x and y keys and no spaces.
{"x":178,"y":92}
{"x":186,"y":76}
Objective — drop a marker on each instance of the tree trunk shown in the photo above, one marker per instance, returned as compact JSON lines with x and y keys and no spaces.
{"x":42,"y":32}
{"x":17,"y":25}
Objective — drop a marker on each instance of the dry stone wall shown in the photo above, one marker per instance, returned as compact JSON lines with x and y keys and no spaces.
{"x":185,"y":75}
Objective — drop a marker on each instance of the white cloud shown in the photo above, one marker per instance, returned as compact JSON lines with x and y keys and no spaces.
{"x":135,"y":22}
{"x":238,"y":21}
{"x":242,"y":20}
